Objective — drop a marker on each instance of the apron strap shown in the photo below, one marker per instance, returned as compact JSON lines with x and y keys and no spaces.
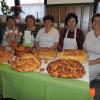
{"x":74,"y":34}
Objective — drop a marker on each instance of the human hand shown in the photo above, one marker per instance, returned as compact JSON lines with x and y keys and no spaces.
{"x":11,"y":34}
{"x":18,"y":34}
{"x":95,"y":61}
{"x":92,"y":62}
{"x":12,"y":44}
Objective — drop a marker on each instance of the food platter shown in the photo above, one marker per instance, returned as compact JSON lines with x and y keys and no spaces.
{"x":66,"y":68}
{"x":85,"y":77}
{"x":74,"y":54}
{"x":26,"y":63}
{"x":5,"y":56}
{"x":41,"y":61}
{"x":46,"y":53}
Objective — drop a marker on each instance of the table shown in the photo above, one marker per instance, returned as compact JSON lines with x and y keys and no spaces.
{"x":40,"y":86}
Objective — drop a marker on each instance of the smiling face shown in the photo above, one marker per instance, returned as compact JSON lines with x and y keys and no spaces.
{"x":96,"y":23}
{"x":48,"y":24}
{"x":10,"y":23}
{"x":71,"y":24}
{"x":30,"y":22}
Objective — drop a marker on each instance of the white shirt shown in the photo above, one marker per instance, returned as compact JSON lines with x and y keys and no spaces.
{"x":92,"y":44}
{"x":47,"y":39}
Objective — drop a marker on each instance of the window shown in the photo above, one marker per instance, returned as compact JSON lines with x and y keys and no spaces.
{"x":98,"y":8}
{"x":31,"y":1}
{"x":34,"y":7}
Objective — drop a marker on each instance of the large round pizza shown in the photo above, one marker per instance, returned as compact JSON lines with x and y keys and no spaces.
{"x":66,"y":68}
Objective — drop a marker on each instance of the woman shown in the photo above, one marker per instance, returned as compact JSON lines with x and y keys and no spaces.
{"x":30,"y":31}
{"x":11,"y":35}
{"x":47,"y":37}
{"x":73,"y":37}
{"x":92,"y":45}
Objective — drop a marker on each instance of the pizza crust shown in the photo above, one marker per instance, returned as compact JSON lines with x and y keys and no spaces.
{"x":74,"y":54}
{"x":46,"y":53}
{"x":26,"y":63}
{"x":5,"y":55}
{"x":20,"y":50}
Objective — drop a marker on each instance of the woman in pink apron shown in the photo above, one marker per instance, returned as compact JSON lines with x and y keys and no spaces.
{"x":73,"y":37}
{"x":92,"y":45}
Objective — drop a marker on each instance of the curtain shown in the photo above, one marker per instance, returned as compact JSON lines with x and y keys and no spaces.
{"x":38,"y":10}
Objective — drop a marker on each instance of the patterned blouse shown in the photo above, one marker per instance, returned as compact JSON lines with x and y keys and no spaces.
{"x":11,"y":36}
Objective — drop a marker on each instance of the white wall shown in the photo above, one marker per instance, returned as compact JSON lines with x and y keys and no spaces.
{"x":68,"y":1}
{"x":98,"y":8}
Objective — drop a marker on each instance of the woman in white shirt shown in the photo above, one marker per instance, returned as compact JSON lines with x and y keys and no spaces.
{"x":47,"y":37}
{"x":92,"y":45}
